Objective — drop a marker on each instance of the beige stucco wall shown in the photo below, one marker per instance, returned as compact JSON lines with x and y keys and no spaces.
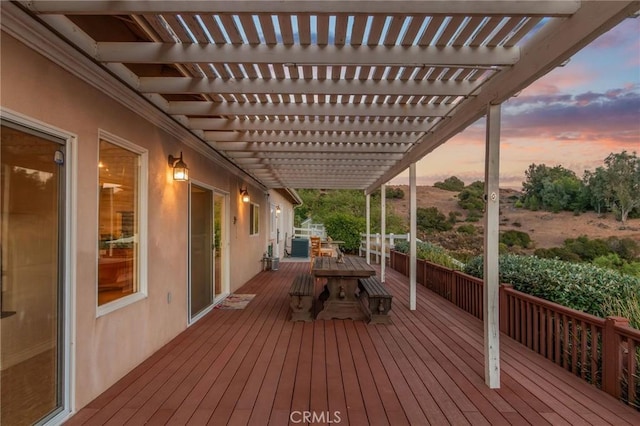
{"x":284,"y":223}
{"x":107,"y":347}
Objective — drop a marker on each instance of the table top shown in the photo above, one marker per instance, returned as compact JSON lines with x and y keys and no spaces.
{"x":353,"y":266}
{"x":327,"y":242}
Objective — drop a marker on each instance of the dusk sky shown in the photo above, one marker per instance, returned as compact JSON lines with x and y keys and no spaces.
{"x":574,"y":116}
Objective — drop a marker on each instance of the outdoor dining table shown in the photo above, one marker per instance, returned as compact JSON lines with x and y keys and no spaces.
{"x":341,"y":302}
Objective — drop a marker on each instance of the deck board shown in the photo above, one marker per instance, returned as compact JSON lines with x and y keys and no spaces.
{"x":255,"y":367}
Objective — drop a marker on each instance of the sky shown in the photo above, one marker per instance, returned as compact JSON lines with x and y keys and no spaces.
{"x":575,"y":116}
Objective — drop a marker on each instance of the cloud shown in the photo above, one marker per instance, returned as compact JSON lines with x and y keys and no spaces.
{"x":608,"y":116}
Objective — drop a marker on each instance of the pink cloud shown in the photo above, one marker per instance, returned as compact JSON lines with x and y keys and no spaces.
{"x":560,"y":80}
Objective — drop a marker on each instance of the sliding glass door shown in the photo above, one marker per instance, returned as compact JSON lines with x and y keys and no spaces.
{"x":32,"y":294}
{"x":201,"y":290}
{"x":207,"y":248}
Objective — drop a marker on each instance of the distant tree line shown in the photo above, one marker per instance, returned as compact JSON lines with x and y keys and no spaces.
{"x":613,"y":187}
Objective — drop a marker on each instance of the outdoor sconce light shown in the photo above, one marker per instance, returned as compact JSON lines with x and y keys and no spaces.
{"x":278,"y":210}
{"x":180,"y":169}
{"x":245,"y":195}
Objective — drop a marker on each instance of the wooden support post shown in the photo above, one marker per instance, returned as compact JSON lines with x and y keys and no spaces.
{"x":412,"y":233}
{"x":383,"y":231}
{"x":611,"y":359}
{"x":491,"y":239}
{"x":368,"y":231}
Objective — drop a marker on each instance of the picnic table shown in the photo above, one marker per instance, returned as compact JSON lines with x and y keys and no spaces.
{"x":339,"y":296}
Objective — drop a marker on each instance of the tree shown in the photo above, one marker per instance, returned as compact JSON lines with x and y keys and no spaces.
{"x":555,"y":188}
{"x":452,"y":183}
{"x":622,"y":174}
{"x":347,"y":228}
{"x":595,"y":184}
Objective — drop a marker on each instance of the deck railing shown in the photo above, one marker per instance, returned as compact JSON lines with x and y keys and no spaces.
{"x":604,"y":352}
{"x":375,"y":244}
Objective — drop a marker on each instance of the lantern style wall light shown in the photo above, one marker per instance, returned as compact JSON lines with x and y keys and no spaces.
{"x":245,"y":195}
{"x":180,"y":169}
{"x":278,"y":210}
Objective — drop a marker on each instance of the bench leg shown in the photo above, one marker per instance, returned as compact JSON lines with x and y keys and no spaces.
{"x":301,"y":307}
{"x":379,"y":309}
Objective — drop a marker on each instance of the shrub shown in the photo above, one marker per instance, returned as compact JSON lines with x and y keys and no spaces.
{"x":394,"y":193}
{"x":615,"y":262}
{"x":515,"y":238}
{"x":472,"y":197}
{"x":474,"y":216}
{"x":467,"y":229}
{"x":450,"y":184}
{"x":347,"y":228}
{"x":431,"y":219}
{"x":579,"y":286}
{"x":557,"y":253}
{"x":587,"y":249}
{"x":430,"y":252}
{"x":626,"y":248}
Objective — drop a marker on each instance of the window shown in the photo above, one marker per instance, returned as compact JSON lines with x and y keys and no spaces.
{"x":254,"y":219}
{"x":120,"y":212}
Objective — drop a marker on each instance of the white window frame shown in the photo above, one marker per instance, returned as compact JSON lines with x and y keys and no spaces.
{"x":253,"y":217}
{"x":143,"y":155}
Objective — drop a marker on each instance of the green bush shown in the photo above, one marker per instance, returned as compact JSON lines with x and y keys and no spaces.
{"x":450,"y":184}
{"x":626,"y":248}
{"x":615,"y":262}
{"x":472,"y":197}
{"x":394,"y":193}
{"x":561,"y":253}
{"x":578,"y":286}
{"x":515,"y":238}
{"x":430,"y":252}
{"x":587,"y":249}
{"x":467,"y":229}
{"x":347,"y":228}
{"x":431,"y":219}
{"x":474,"y":216}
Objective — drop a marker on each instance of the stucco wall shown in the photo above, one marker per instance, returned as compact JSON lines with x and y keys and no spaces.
{"x":109,"y":346}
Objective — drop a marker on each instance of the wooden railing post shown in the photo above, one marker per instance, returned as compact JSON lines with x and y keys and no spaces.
{"x":453,"y":286}
{"x":611,"y":360}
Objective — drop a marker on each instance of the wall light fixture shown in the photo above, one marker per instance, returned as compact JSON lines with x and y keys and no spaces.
{"x":245,"y":195}
{"x":180,"y":169}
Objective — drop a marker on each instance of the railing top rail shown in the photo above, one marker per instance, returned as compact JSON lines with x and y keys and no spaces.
{"x":469,"y":277}
{"x":583,"y":316}
{"x":628,"y":332}
{"x":439,"y":267}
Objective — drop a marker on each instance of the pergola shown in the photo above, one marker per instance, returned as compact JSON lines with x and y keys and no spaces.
{"x":330,"y":94}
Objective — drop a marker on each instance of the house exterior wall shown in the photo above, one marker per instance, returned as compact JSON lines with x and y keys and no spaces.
{"x":283,"y":224}
{"x":107,"y":347}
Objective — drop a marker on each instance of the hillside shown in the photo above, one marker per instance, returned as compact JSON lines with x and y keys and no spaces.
{"x":546,"y":229}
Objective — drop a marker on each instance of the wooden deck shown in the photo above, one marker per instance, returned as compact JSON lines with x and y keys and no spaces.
{"x":254,"y":367}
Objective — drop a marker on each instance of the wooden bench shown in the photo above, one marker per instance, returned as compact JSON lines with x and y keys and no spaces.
{"x":375,"y":299}
{"x":301,"y":293}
